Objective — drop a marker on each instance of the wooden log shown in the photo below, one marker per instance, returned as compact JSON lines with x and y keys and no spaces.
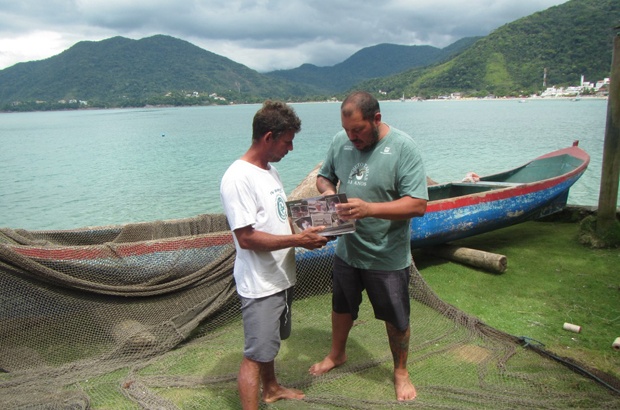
{"x":485,"y":260}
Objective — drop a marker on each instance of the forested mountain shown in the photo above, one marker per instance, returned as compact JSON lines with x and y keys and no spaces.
{"x":569,"y":40}
{"x":162,"y":70}
{"x":371,"y":62}
{"x":120,"y":70}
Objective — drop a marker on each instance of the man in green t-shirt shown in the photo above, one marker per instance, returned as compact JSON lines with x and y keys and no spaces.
{"x":381,"y":171}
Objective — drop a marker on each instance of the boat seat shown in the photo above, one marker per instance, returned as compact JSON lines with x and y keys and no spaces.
{"x":489,"y":184}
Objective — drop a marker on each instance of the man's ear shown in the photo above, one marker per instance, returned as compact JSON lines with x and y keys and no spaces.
{"x":377,"y":118}
{"x":268,"y":137}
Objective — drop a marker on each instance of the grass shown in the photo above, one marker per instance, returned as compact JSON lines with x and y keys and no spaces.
{"x":551,"y":279}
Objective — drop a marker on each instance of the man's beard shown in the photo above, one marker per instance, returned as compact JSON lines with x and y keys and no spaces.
{"x":374,"y":140}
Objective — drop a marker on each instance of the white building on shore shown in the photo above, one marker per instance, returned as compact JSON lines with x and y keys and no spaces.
{"x":574,"y":90}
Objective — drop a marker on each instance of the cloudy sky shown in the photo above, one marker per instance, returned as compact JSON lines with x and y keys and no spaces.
{"x":262,"y":34}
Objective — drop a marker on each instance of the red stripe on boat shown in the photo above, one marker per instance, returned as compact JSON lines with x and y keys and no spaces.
{"x":122,"y":249}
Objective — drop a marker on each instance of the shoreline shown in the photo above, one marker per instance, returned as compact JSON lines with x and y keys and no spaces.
{"x":567,"y":98}
{"x":409,"y":100}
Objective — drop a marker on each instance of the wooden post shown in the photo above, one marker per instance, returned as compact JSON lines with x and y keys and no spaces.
{"x":608,"y":196}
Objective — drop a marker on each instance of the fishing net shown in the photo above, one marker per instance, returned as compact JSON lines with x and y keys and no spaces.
{"x":146,"y":316}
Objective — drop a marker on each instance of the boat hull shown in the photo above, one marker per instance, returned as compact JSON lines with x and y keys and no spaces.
{"x":513,"y":197}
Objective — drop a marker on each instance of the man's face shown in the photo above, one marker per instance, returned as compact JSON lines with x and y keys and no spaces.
{"x":281,"y":146}
{"x":362,"y":133}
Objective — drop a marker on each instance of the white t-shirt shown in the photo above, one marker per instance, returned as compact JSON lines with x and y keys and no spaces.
{"x":255,"y":196}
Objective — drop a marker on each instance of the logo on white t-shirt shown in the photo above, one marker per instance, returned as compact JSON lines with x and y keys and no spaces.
{"x":281,"y":207}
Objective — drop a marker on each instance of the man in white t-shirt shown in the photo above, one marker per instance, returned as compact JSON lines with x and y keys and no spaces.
{"x":255,"y":205}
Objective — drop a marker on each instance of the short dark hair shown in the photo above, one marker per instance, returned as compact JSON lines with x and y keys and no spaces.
{"x":363,"y":101}
{"x":277,"y":117}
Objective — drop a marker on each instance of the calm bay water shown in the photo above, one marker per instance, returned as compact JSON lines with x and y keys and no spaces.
{"x":63,"y":170}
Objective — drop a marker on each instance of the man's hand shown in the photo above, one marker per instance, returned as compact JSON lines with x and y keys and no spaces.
{"x":354,"y":209}
{"x":402,"y":208}
{"x":310,"y":239}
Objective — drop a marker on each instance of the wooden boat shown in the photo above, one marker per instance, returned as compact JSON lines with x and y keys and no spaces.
{"x":118,"y":258}
{"x":461,"y":209}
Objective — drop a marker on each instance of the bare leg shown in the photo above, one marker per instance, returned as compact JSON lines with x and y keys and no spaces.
{"x":341,"y":325}
{"x":399,"y":345}
{"x":272,"y":391}
{"x":248,"y":381}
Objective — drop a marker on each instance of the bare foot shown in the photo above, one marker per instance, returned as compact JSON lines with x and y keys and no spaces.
{"x":282,"y":393}
{"x":326,"y":365}
{"x":405,"y":390}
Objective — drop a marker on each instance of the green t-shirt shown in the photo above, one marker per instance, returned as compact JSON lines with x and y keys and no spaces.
{"x":390,"y":170}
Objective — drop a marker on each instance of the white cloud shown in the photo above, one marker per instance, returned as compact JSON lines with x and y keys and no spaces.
{"x":30,"y":46}
{"x":263,"y":34}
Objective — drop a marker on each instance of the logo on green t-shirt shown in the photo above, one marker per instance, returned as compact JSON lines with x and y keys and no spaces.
{"x":359,"y":174}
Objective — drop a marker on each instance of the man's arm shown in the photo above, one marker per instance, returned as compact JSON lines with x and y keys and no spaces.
{"x":402,"y":208}
{"x":250,"y":238}
{"x":325,"y":186}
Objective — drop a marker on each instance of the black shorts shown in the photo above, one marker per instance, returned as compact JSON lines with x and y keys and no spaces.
{"x":388,"y":292}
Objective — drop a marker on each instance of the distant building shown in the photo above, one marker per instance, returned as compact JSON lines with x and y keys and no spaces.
{"x":216,"y":97}
{"x":602,"y":83}
{"x":574,"y":90}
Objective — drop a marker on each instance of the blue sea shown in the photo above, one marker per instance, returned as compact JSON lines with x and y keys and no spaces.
{"x":71,"y":169}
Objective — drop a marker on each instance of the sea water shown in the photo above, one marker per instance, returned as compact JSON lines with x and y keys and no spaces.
{"x":70,"y":169}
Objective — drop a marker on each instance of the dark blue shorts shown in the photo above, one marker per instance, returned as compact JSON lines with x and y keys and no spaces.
{"x":388,"y":292}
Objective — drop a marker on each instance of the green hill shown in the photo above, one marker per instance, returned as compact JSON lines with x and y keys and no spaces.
{"x":570,"y":40}
{"x":120,"y":71}
{"x":371,"y":62}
